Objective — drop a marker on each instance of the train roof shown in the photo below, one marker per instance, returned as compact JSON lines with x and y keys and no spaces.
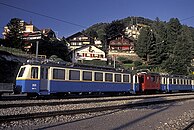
{"x":76,"y":66}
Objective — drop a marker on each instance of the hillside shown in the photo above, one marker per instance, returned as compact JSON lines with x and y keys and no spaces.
{"x":100,"y":27}
{"x":132,"y":20}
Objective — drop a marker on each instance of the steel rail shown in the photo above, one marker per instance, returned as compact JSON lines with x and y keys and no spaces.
{"x":8,"y":118}
{"x":4,"y":105}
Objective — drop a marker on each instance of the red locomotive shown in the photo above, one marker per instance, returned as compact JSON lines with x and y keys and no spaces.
{"x":149,"y":81}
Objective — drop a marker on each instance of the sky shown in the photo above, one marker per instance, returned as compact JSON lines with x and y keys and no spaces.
{"x":76,"y":15}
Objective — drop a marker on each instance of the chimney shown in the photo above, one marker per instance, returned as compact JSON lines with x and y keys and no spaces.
{"x":30,"y":22}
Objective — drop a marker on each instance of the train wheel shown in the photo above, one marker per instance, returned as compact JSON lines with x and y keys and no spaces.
{"x":32,"y":95}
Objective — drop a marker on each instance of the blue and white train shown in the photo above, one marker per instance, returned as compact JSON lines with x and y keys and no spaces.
{"x":47,"y":79}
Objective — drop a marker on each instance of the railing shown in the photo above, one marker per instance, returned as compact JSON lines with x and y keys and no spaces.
{"x":6,"y":87}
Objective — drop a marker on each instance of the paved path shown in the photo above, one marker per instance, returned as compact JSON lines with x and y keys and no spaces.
{"x":142,"y":118}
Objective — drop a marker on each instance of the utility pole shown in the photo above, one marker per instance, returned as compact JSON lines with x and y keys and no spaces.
{"x":114,"y":62}
{"x":37,"y":42}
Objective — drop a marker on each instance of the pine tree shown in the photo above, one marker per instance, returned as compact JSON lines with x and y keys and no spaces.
{"x":114,"y":28}
{"x":14,"y":35}
{"x":173,"y":30}
{"x":145,"y":45}
{"x":182,"y":53}
{"x":160,"y":33}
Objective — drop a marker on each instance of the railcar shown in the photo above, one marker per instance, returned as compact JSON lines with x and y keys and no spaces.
{"x":149,"y":81}
{"x":179,"y":83}
{"x":48,"y":79}
{"x":45,"y":79}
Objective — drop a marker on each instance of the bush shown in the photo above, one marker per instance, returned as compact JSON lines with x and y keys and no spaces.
{"x":137,"y":63}
{"x":125,"y":60}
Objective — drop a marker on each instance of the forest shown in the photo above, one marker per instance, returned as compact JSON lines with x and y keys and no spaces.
{"x":166,"y":46}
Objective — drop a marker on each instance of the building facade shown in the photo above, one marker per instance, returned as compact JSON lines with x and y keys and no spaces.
{"x":88,"y":52}
{"x":134,"y":30}
{"x":78,"y":40}
{"x":120,"y":45}
{"x":31,"y":33}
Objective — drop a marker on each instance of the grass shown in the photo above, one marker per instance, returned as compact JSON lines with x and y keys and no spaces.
{"x":126,"y":66}
{"x":14,"y":51}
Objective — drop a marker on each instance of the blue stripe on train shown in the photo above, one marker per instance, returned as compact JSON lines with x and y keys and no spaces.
{"x":173,"y":87}
{"x":33,"y":86}
{"x":61,"y":86}
{"x":28,"y":86}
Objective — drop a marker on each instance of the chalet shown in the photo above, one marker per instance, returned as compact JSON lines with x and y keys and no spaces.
{"x":48,"y":33}
{"x":120,"y":45}
{"x":31,"y":33}
{"x":78,"y":40}
{"x":88,"y":52}
{"x":134,"y":30}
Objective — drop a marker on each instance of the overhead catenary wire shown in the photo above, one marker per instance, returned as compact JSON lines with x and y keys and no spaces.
{"x":61,"y":20}
{"x":43,"y":15}
{"x":187,"y":18}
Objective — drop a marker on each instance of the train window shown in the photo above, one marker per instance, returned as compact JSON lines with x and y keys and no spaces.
{"x":141,"y":78}
{"x":87,"y":75}
{"x":126,"y":78}
{"x":157,"y":79}
{"x":174,"y":81}
{"x":21,"y":72}
{"x":98,"y":76}
{"x":181,"y":81}
{"x":34,"y":72}
{"x":170,"y":81}
{"x":108,"y":77}
{"x":44,"y":73}
{"x":58,"y":74}
{"x":153,"y":79}
{"x":178,"y":81}
{"x":74,"y":75}
{"x":117,"y":77}
{"x":164,"y":81}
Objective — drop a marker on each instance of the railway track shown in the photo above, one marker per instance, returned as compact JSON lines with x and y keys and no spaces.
{"x":190,"y":126}
{"x":9,"y":105}
{"x":9,"y":118}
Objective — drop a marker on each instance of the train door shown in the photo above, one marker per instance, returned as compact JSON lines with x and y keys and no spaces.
{"x":141,"y":82}
{"x":135,"y":84}
{"x":44,"y":79}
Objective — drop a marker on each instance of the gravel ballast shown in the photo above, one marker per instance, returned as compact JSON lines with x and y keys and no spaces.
{"x":183,"y":120}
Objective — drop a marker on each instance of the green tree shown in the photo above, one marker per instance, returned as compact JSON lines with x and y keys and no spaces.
{"x":14,"y":35}
{"x":114,"y":28}
{"x":160,"y":33}
{"x":91,"y":32}
{"x":52,"y":47}
{"x":182,"y":53}
{"x":145,"y":45}
{"x":173,"y":31}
